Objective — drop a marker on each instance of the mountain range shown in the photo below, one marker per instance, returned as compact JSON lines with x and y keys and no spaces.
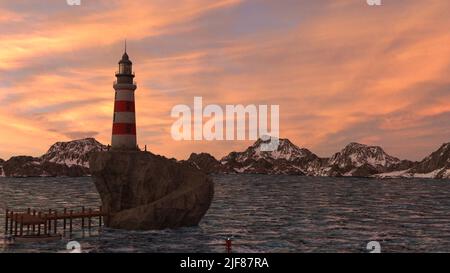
{"x":357,"y":160}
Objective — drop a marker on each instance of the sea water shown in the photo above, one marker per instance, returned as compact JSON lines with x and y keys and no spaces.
{"x":262,"y":214}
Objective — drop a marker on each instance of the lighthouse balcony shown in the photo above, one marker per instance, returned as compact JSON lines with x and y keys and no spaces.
{"x":121,"y":73}
{"x":122,"y":82}
{"x":120,"y":85}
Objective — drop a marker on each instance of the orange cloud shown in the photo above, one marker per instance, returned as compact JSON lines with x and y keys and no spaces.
{"x":341,"y":71}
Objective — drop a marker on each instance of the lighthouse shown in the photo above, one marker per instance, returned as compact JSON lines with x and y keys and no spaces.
{"x":124,"y":120}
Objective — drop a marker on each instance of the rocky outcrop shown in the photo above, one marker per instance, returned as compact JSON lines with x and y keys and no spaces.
{"x":436,"y":165}
{"x":2,"y":173}
{"x":206,"y":163}
{"x":438,"y":161}
{"x":143,"y":191}
{"x":27,"y":166}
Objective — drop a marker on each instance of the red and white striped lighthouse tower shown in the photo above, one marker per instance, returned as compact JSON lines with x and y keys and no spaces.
{"x":124,"y":121}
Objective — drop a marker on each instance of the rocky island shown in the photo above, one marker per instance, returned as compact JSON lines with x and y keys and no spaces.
{"x":143,"y":191}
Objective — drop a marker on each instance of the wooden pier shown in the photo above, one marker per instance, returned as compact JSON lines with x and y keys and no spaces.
{"x":37,"y":224}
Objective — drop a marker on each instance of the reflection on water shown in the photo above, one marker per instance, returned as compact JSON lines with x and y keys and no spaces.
{"x":265,"y":214}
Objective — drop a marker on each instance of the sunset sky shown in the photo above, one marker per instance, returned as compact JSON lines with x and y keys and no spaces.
{"x":340,"y":70}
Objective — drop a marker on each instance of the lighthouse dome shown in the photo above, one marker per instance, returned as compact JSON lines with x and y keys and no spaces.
{"x":125,"y":59}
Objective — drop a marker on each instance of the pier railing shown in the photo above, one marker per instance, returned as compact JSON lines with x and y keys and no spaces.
{"x":44,"y":223}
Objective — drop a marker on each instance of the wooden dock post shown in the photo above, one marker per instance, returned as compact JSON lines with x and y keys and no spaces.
{"x":49,"y":217}
{"x":55,"y":223}
{"x":45,"y":224}
{"x":82,"y":217}
{"x":89,"y":219}
{"x":6,"y":221}
{"x":39,"y":225}
{"x":64,"y":220}
{"x":70,"y":221}
{"x":16,"y":223}
{"x":21,"y":226}
{"x":100,"y":217}
{"x":11,"y":222}
{"x":28,"y":225}
{"x":34,"y":225}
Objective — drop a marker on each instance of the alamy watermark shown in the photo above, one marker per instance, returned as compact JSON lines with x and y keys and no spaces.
{"x":374,"y":2}
{"x":74,"y":247}
{"x":73,"y":2}
{"x":234,"y":117}
{"x":374,"y":247}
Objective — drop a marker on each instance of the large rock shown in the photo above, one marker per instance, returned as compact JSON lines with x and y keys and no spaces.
{"x":143,"y":191}
{"x":2,"y":173}
{"x":206,"y":163}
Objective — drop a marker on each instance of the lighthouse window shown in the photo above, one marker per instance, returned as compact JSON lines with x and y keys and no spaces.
{"x":124,"y":69}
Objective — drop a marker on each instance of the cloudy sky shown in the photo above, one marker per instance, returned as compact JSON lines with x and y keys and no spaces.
{"x":340,"y":70}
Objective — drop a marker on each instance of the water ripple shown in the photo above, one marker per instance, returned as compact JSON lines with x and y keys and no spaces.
{"x":265,"y":214}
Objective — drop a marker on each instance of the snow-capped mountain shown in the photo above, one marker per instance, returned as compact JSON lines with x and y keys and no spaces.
{"x":72,"y":153}
{"x":286,"y":150}
{"x":361,"y":160}
{"x":357,"y":155}
{"x":436,"y":165}
{"x":62,"y":159}
{"x":287,"y":159}
{"x":438,"y":162}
